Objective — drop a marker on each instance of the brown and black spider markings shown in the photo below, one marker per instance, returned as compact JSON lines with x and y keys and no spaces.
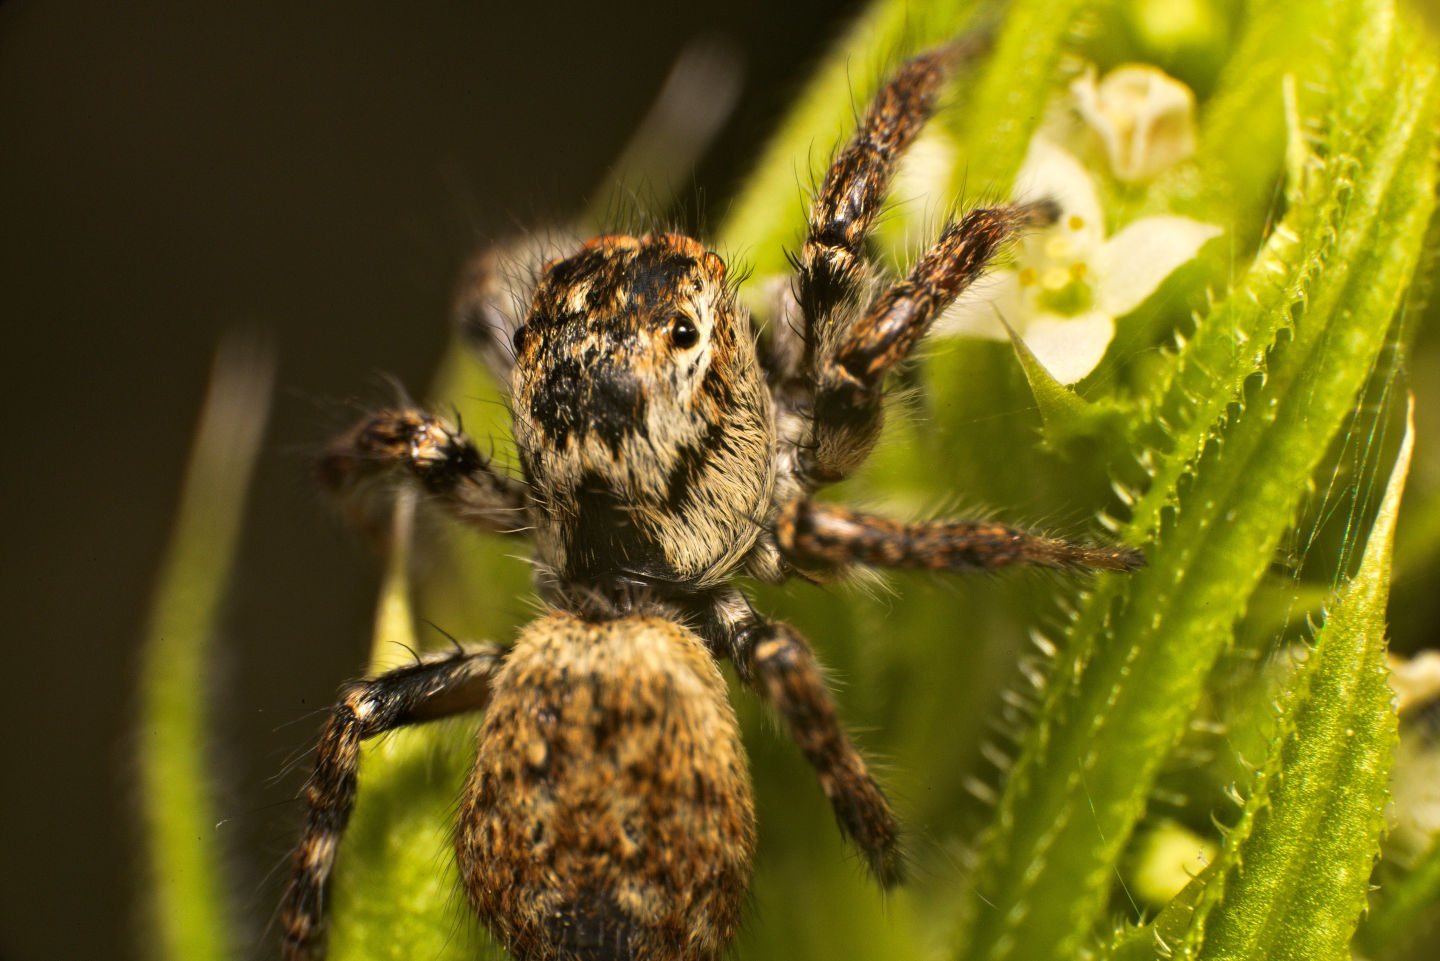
{"x":608,"y":815}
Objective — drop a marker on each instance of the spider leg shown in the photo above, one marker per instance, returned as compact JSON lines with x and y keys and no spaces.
{"x":835,"y":389}
{"x":846,"y":410}
{"x":829,"y":536}
{"x":776,"y":661}
{"x":831,"y":265}
{"x":443,"y":460}
{"x":437,"y":686}
{"x":782,"y":352}
{"x":493,"y":292}
{"x":485,"y":312}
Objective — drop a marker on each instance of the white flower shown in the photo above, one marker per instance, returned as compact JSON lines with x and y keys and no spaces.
{"x":1144,"y":118}
{"x":1070,"y":281}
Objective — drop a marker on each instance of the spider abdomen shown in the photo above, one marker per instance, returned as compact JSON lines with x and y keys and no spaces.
{"x":609,"y":814}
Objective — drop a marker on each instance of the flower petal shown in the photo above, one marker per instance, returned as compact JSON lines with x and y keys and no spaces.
{"x":977,"y":312}
{"x":1069,"y":347}
{"x":1050,"y":172}
{"x":1132,"y":263}
{"x":1144,"y":117}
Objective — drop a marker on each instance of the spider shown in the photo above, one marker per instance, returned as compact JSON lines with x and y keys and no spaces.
{"x":664,"y":451}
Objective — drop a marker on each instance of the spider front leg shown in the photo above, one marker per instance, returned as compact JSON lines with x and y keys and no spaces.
{"x":493,"y":292}
{"x":831,"y":266}
{"x":443,"y":460}
{"x":815,"y":535}
{"x":776,"y":661}
{"x":851,"y":365}
{"x":435,"y":687}
{"x":484,"y":311}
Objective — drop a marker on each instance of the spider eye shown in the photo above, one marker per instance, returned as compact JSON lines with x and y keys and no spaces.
{"x":522,"y":334}
{"x":683,"y":333}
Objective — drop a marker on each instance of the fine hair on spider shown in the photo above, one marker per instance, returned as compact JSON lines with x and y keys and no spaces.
{"x":608,"y":815}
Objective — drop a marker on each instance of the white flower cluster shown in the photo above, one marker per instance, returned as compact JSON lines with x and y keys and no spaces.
{"x":1070,"y":280}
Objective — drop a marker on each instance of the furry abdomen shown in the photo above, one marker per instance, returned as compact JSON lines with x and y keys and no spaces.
{"x":609,"y":814}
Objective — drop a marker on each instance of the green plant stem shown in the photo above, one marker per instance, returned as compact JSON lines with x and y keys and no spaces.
{"x":191,"y":919}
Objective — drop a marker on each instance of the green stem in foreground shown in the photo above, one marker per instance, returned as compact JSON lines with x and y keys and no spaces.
{"x":192,"y":921}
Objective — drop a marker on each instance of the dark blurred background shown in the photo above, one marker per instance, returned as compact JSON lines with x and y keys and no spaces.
{"x":316,"y":172}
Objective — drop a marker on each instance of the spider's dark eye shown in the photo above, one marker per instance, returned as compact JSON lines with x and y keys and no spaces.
{"x":683,"y":333}
{"x":522,"y":334}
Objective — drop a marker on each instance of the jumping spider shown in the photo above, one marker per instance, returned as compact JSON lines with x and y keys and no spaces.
{"x":608,"y":815}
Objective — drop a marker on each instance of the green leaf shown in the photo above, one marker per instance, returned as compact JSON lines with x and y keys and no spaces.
{"x":1295,"y":877}
{"x":1063,"y":412}
{"x":396,"y":892}
{"x":192,"y":920}
{"x":1236,"y":447}
{"x":1008,"y":101}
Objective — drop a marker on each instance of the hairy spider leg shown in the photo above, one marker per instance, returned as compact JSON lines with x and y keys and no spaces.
{"x":846,"y":410}
{"x":831,"y":265}
{"x":438,"y":685}
{"x":830,"y":536}
{"x":443,"y":460}
{"x":835,"y":378}
{"x":775,"y":660}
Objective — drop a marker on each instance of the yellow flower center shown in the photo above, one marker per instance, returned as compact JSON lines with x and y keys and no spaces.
{"x":1060,"y":275}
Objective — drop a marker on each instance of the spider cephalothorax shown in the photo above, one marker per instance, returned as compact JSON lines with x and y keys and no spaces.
{"x":608,"y":816}
{"x":643,"y":424}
